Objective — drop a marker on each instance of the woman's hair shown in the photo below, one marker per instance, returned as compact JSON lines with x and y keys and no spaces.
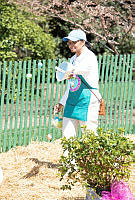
{"x":87,"y":44}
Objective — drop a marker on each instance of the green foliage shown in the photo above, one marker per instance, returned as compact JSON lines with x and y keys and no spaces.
{"x":127,"y":45}
{"x":21,"y":37}
{"x":98,"y":160}
{"x":59,"y":29}
{"x":108,"y":24}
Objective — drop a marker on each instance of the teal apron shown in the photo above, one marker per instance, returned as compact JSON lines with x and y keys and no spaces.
{"x":78,"y":99}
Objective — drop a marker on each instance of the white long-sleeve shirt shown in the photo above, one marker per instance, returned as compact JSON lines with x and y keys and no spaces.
{"x":86,"y":65}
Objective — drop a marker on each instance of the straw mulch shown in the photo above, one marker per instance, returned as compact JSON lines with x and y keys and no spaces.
{"x":30,"y":173}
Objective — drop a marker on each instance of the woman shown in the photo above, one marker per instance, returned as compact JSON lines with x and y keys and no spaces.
{"x":80,"y":104}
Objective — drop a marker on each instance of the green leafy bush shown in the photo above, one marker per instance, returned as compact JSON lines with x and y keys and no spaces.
{"x":21,"y":37}
{"x":96,"y":161}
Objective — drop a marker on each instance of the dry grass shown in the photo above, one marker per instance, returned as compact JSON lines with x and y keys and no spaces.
{"x":30,"y":173}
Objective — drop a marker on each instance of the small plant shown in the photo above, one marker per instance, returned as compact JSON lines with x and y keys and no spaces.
{"x":96,"y":161}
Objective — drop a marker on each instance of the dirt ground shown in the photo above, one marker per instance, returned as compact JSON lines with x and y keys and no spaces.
{"x":30,"y":173}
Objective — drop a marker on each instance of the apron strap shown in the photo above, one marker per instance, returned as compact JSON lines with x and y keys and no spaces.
{"x":89,"y":89}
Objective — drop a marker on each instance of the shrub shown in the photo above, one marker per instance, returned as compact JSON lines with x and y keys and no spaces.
{"x":96,"y":161}
{"x":21,"y":37}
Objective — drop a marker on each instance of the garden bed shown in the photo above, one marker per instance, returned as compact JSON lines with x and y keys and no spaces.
{"x":31,"y":173}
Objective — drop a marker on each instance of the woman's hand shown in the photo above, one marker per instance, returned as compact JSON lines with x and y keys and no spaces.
{"x":71,"y":75}
{"x":58,"y":108}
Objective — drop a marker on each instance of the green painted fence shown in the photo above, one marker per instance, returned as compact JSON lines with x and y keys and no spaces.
{"x":29,"y":91}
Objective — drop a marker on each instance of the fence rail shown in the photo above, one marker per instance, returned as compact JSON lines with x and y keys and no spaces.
{"x":29,"y":91}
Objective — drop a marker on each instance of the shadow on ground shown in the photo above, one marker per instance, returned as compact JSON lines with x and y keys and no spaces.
{"x":35,"y":170}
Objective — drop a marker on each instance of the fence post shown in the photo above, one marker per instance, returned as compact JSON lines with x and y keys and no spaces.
{"x":46,"y":100}
{"x":12,"y":106}
{"x":22,"y":103}
{"x":42,"y":99}
{"x":2,"y":101}
{"x":51,"y":98}
{"x":32,"y":100}
{"x":27,"y":102}
{"x":112,"y":93}
{"x":7,"y":106}
{"x":17,"y":104}
{"x":36,"y":104}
